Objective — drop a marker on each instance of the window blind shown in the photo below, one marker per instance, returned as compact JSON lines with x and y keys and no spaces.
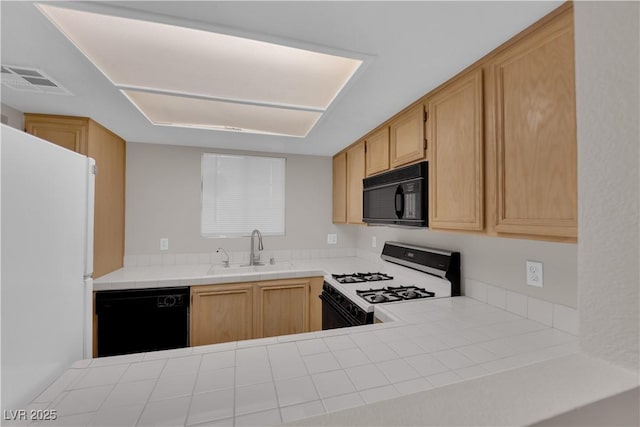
{"x":242,"y":193}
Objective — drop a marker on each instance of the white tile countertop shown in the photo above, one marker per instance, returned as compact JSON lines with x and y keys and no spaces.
{"x":423,"y":345}
{"x":571,"y":390}
{"x":206,"y":274}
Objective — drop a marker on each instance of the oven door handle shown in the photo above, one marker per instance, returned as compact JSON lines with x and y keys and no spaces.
{"x":348,"y":317}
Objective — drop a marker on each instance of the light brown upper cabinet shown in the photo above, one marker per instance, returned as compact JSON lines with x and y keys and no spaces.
{"x":282,"y":307}
{"x":67,"y":132}
{"x":377,"y":151}
{"x":355,"y":175}
{"x":455,"y":134}
{"x":340,"y":188}
{"x":89,"y":138}
{"x":407,"y":143}
{"x":501,"y":136}
{"x":532,"y":89}
{"x":221,"y":313}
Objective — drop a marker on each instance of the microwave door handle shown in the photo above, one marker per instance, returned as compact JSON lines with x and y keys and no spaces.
{"x":399,"y":201}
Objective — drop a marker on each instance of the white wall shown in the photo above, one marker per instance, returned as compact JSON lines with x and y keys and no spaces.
{"x":497,"y":261}
{"x":607,"y":72}
{"x":12,"y":117}
{"x":163,"y":200}
{"x":618,"y":410}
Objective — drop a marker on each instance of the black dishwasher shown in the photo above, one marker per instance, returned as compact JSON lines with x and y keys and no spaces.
{"x":141,"y":320}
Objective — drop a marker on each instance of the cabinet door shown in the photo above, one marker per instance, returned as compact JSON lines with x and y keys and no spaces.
{"x":340,"y":188}
{"x":355,"y":175}
{"x":221,"y":313}
{"x":456,"y":153}
{"x":407,"y":142}
{"x":377,"y":152}
{"x":535,"y":133}
{"x":315,"y":303}
{"x":282,"y":307}
{"x":67,"y":132}
{"x":109,"y":152}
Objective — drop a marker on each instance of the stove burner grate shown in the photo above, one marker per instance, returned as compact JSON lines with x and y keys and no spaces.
{"x":348,"y":278}
{"x":374,"y":277}
{"x":397,"y":293}
{"x":361,"y":277}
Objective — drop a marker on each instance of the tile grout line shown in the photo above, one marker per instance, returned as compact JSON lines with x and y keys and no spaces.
{"x":113,"y":387}
{"x":235,"y":387}
{"x":311,"y":379}
{"x":308,"y":374}
{"x":146,"y":403}
{"x":273,"y":379}
{"x":318,"y":373}
{"x":68,"y":390}
{"x":64,"y":388}
{"x":195,"y":382}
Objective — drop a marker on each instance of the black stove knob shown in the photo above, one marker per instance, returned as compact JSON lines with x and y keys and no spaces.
{"x":339,"y":297}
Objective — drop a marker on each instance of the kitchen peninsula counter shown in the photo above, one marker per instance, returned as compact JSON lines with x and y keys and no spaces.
{"x":423,"y":347}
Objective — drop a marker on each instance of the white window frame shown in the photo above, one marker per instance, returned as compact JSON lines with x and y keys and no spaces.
{"x":250,"y":227}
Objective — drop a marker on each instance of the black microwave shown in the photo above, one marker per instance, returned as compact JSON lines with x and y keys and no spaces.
{"x":398,"y":197}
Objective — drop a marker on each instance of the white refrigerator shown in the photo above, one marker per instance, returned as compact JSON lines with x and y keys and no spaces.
{"x":46,"y":263}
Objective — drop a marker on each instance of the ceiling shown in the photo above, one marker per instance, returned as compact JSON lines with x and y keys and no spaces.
{"x":409,"y":48}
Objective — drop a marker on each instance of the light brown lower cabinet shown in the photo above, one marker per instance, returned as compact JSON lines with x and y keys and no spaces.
{"x":221,"y":313}
{"x":282,"y":308}
{"x":240,"y":311}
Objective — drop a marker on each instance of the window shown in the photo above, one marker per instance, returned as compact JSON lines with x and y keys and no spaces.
{"x":242,"y":193}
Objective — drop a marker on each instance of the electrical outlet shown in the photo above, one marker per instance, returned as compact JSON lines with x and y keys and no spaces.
{"x":332,"y":239}
{"x":374,"y":242}
{"x":535,"y":276}
{"x":164,"y":244}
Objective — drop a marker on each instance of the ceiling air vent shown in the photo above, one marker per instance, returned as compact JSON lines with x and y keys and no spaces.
{"x":28,"y":79}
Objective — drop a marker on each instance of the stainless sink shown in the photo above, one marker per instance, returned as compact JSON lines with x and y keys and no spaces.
{"x":246,"y":269}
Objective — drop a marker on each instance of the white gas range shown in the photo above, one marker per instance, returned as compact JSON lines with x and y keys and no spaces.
{"x":409,"y":273}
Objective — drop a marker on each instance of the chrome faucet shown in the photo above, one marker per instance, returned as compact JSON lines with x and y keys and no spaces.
{"x":254,"y":259}
{"x":225,"y":263}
